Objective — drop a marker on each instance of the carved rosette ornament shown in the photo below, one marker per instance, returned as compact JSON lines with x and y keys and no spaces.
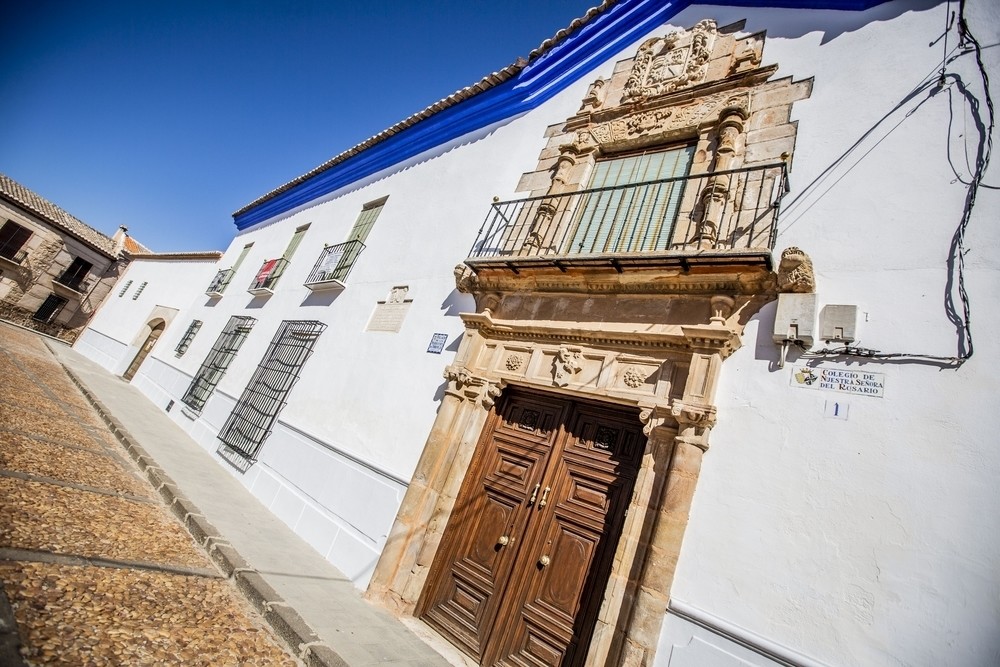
{"x":633,"y":377}
{"x":566,"y":364}
{"x":795,"y":272}
{"x":514,"y":362}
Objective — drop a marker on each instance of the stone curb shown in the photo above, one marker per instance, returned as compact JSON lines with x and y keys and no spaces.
{"x":286,"y":623}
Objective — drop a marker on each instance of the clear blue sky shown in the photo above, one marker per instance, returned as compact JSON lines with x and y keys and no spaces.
{"x":167,"y":116}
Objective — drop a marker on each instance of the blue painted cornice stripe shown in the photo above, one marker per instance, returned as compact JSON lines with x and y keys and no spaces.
{"x":585,"y":49}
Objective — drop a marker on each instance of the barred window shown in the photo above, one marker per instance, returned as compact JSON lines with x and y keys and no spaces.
{"x":217,"y":361}
{"x":142,"y":286}
{"x":188,"y":336}
{"x":50,"y":309}
{"x":253,"y":417}
{"x":124,"y":289}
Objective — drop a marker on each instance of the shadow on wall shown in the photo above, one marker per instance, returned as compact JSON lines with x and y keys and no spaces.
{"x":784,"y":24}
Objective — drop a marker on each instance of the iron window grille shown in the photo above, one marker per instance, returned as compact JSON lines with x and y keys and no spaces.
{"x":73,"y":276}
{"x":217,"y":361}
{"x":142,"y":286}
{"x":12,"y":238}
{"x":188,"y":336}
{"x":333,"y":265}
{"x":268,"y":276}
{"x":253,"y":416}
{"x":124,"y":289}
{"x":49,"y":309}
{"x":220,"y":282}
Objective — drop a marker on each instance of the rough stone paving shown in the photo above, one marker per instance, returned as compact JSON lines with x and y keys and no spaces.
{"x":94,"y":568}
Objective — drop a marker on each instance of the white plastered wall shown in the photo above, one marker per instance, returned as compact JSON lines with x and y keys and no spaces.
{"x":118,"y":329}
{"x":870,"y":540}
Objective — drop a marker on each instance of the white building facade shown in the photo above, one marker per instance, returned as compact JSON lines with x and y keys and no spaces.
{"x":693,"y":447}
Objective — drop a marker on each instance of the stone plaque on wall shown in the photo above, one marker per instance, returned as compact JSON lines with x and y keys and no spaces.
{"x":389,"y":314}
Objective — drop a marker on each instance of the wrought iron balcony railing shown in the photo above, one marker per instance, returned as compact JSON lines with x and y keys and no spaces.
{"x":333,"y":265}
{"x":74,"y":286}
{"x":268,"y":276}
{"x":220,"y":282}
{"x":16,"y":257}
{"x":725,"y":210}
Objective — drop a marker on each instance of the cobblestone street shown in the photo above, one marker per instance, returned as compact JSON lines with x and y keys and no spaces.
{"x":94,"y":567}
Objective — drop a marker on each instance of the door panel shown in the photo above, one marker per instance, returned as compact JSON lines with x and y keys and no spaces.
{"x":554,"y":477}
{"x":460,"y":599}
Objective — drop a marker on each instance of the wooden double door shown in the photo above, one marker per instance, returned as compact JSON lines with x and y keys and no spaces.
{"x":524,"y":561}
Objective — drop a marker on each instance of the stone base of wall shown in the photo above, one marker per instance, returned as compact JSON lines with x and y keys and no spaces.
{"x":22,"y":317}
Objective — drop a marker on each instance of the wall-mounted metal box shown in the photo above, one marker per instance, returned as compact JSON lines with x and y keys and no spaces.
{"x":795,"y":320}
{"x":838,"y":323}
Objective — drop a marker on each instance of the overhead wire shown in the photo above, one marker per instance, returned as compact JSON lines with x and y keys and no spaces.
{"x":959,"y":314}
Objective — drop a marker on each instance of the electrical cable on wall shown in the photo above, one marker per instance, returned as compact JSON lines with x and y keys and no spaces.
{"x":959,"y":314}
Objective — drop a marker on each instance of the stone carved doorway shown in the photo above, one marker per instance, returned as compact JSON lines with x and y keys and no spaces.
{"x":525,"y":558}
{"x":154,"y":335}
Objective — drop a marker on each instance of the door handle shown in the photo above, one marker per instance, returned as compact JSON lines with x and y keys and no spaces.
{"x":544,"y":560}
{"x":504,"y":540}
{"x":534,"y":494}
{"x":545,"y":496}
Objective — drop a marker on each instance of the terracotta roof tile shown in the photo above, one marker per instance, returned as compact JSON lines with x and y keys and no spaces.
{"x":22,"y":196}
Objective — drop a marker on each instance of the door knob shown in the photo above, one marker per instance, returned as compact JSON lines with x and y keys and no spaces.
{"x":544,"y":561}
{"x":545,"y":496}
{"x":503,"y":541}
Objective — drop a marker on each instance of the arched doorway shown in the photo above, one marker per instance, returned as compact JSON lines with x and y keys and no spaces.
{"x":154,"y":333}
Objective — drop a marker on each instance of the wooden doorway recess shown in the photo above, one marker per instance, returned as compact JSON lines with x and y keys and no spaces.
{"x":147,"y":345}
{"x":525,"y":558}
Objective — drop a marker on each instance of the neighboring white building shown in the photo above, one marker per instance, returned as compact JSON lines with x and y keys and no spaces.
{"x":147,"y":298}
{"x":632,"y":458}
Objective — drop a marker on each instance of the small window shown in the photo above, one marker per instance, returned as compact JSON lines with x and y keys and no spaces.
{"x":12,"y":238}
{"x":50,"y":309}
{"x":188,"y":336}
{"x":142,"y":286}
{"x":124,"y":289}
{"x":73,"y":276}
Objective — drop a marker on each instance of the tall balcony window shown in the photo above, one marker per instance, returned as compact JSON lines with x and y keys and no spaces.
{"x":267,"y":277}
{"x":220,"y":282}
{"x":74,"y":276}
{"x":333,"y":265}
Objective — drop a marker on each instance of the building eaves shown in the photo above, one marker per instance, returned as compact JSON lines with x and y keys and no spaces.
{"x":21,"y":196}
{"x":207,"y":255}
{"x":586,"y":43}
{"x":487,"y":82}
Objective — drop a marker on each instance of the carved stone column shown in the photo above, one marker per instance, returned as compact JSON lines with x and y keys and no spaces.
{"x":678,"y":459}
{"x":423,"y":514}
{"x":715,"y":195}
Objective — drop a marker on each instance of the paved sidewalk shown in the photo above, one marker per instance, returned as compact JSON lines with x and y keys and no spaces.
{"x":358,"y":633}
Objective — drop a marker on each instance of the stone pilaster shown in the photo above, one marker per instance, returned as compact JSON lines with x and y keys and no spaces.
{"x":424,"y":512}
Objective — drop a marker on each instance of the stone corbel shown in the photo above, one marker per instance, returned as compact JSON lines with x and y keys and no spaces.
{"x":695,"y":422}
{"x":468,"y":387}
{"x":654,"y":416}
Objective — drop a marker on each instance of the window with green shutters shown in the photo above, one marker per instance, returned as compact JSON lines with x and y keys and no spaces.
{"x":632,"y":219}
